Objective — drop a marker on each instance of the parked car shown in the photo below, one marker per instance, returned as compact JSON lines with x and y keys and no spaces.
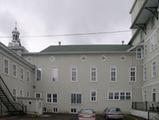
{"x":87,"y":114}
{"x":113,"y":113}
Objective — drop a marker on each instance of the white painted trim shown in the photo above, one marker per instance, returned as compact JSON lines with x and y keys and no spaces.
{"x":54,"y":111}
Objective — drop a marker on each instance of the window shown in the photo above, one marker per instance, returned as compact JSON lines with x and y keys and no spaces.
{"x":122,"y":96}
{"x":128,"y":96}
{"x":21,"y":73}
{"x":54,"y":97}
{"x":132,"y":77}
{"x":28,"y":94}
{"x":39,"y":74}
{"x":119,"y":95}
{"x":145,"y":73}
{"x":21,"y":93}
{"x":73,"y":110}
{"x":145,"y":50}
{"x":55,"y":110}
{"x":49,"y":97}
{"x":93,"y":96}
{"x":73,"y":74}
{"x":28,"y":76}
{"x":154,"y":95}
{"x":14,"y":92}
{"x":6,"y":66}
{"x":14,"y":70}
{"x":116,"y":95}
{"x":154,"y":72}
{"x":113,"y":74}
{"x":110,"y":95}
{"x":54,"y":74}
{"x":76,"y":98}
{"x":139,"y":53}
{"x":93,"y":74}
{"x":37,"y":95}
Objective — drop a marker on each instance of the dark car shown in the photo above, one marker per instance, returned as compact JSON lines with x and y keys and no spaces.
{"x":113,"y":113}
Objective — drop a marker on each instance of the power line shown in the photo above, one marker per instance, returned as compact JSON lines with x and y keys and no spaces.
{"x":72,"y":34}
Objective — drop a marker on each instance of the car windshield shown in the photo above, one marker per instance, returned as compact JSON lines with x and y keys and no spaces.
{"x":115,"y":110}
{"x":86,"y":111}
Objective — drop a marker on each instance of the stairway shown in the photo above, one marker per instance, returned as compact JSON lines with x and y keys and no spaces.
{"x":7,"y":99}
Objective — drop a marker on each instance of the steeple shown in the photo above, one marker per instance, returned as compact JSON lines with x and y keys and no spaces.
{"x":15,"y":44}
{"x":15,"y":37}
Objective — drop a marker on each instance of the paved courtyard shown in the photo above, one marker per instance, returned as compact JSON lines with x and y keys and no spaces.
{"x":58,"y":117}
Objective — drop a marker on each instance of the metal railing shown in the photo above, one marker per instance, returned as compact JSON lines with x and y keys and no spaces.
{"x":146,"y":106}
{"x":15,"y":107}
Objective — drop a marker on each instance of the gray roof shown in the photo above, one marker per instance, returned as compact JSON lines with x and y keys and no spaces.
{"x":86,"y":48}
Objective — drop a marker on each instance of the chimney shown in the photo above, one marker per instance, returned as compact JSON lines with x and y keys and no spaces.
{"x":59,"y":43}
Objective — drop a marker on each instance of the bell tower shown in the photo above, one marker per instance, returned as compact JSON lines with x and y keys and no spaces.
{"x":15,"y":44}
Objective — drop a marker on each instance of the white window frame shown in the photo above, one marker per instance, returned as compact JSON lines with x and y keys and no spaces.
{"x":94,"y":97}
{"x":96,"y":74}
{"x":76,"y":93}
{"x":73,"y":109}
{"x":113,"y":67}
{"x":154,"y":69}
{"x":27,"y":75}
{"x":14,"y":73}
{"x":53,"y":109}
{"x":130,"y":71}
{"x":50,"y":99}
{"x":21,"y":90}
{"x":110,"y":92}
{"x":4,"y":68}
{"x":127,"y":95}
{"x":114,"y":95}
{"x":139,"y":53}
{"x":53,"y":78}
{"x":71,"y":74}
{"x":27,"y":94}
{"x":53,"y":98}
{"x":39,"y":94}
{"x":15,"y":92}
{"x":21,"y":73}
{"x":39,"y":69}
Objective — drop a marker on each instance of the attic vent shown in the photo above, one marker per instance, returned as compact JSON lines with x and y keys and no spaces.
{"x":52,"y":58}
{"x":123,"y":58}
{"x":83,"y":58}
{"x":103,"y":58}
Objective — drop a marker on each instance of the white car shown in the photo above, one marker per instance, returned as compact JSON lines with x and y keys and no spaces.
{"x":86,"y":114}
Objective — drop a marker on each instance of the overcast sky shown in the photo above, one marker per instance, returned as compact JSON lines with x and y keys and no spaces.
{"x":54,"y":17}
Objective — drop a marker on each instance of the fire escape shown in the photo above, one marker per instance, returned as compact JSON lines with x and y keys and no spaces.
{"x":8,"y":101}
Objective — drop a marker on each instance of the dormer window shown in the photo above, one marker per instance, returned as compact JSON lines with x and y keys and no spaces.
{"x":139,"y":53}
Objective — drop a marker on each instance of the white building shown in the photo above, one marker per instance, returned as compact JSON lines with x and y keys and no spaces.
{"x":71,"y":77}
